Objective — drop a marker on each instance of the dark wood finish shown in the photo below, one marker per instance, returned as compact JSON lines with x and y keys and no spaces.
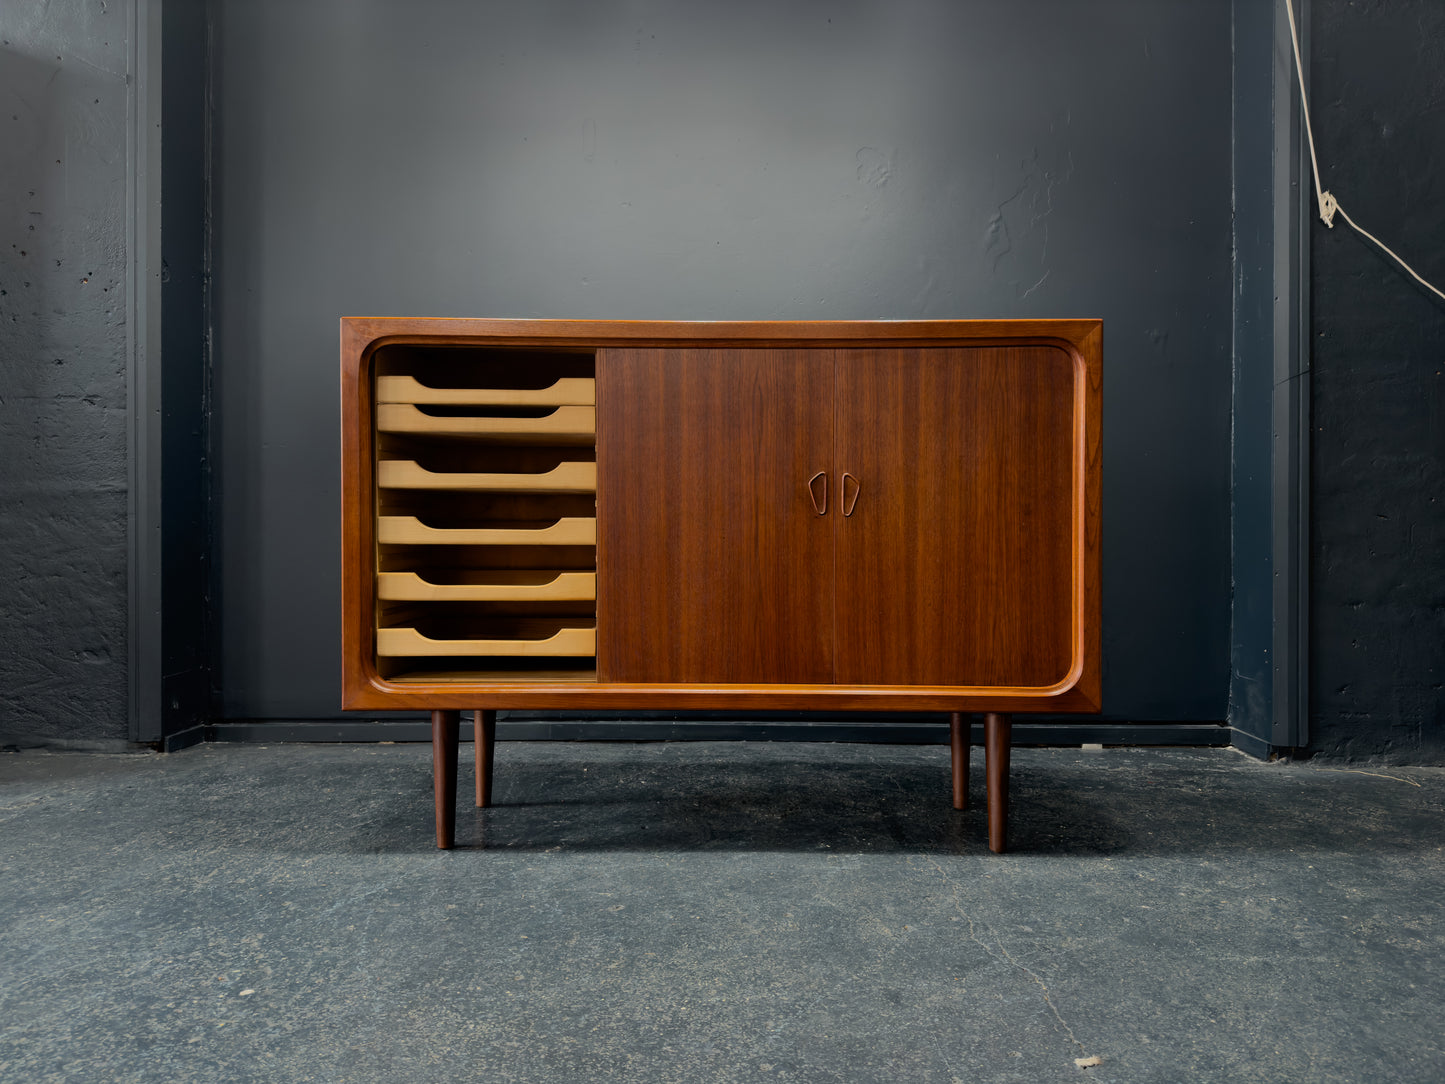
{"x":445,"y":733}
{"x":358,"y":520}
{"x":958,"y":736}
{"x":381,"y":694}
{"x":374,"y":332}
{"x":997,"y":734}
{"x":484,"y":733}
{"x":365,"y":688}
{"x":712,"y":563}
{"x":960,"y":547}
{"x":955,"y":566}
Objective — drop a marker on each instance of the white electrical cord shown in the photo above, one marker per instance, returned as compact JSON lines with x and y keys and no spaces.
{"x":1329,"y":206}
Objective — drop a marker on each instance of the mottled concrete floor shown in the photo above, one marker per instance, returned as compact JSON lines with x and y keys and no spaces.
{"x":717,"y":912}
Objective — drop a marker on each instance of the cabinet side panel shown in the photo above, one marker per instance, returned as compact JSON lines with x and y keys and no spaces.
{"x":358,"y":524}
{"x":713,"y":565}
{"x":956,"y":566}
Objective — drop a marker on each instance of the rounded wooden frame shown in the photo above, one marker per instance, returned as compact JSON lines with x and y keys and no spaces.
{"x":363,"y":688}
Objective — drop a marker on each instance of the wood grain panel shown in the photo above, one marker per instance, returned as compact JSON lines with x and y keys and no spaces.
{"x":710,"y":554}
{"x":390,"y":333}
{"x":956,"y":566}
{"x":545,"y":691}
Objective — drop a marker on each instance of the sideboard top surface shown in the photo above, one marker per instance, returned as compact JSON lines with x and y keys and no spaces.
{"x":360,"y":334}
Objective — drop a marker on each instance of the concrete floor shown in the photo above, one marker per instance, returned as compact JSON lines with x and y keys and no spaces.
{"x":717,"y":912}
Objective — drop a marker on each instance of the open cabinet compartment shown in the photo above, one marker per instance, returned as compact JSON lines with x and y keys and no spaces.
{"x":485,"y":476}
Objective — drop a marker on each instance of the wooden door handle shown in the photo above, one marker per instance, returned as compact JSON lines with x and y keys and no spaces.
{"x":849,"y":501}
{"x":819,"y":494}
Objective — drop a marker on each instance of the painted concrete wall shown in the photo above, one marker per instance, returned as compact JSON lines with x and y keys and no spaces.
{"x":63,"y":369}
{"x":831,"y":160}
{"x":1378,"y":470}
{"x":717,"y":161}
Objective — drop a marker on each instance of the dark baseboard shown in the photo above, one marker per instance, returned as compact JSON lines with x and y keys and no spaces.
{"x":186,"y":738}
{"x":1250,"y":745}
{"x":18,"y":743}
{"x":915,"y":731}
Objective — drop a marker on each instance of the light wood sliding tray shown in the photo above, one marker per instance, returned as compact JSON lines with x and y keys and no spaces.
{"x":567,"y":391}
{"x":563,"y":478}
{"x":564,"y":424}
{"x":408,"y":530}
{"x":573,"y":411}
{"x":490,"y":586}
{"x":404,"y":641}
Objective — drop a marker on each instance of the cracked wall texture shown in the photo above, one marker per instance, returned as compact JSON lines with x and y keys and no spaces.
{"x":1377,"y":590}
{"x":62,"y":369}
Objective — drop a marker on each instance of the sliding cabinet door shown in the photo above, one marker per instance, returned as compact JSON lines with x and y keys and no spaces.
{"x":955,"y":559}
{"x":715,"y":557}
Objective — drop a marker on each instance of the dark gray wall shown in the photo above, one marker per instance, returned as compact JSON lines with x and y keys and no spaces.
{"x":600,"y":160}
{"x":726,"y":161}
{"x":63,"y":443}
{"x":1378,"y":586}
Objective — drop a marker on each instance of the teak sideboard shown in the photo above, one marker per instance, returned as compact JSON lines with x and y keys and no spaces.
{"x":774,"y":516}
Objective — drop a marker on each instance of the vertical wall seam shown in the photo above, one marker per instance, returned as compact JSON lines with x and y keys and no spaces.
{"x":143,"y":315}
{"x":1230,"y":707}
{"x":1303,"y":366}
{"x":210,"y":608}
{"x":1290,"y":469}
{"x":132,"y":294}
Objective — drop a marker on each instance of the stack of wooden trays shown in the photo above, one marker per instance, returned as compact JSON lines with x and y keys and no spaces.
{"x":486,"y":523}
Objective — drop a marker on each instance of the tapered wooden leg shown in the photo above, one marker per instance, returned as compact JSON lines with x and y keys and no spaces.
{"x":445,"y":728}
{"x":958,"y":736}
{"x":484,"y":729}
{"x":997,"y":732}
